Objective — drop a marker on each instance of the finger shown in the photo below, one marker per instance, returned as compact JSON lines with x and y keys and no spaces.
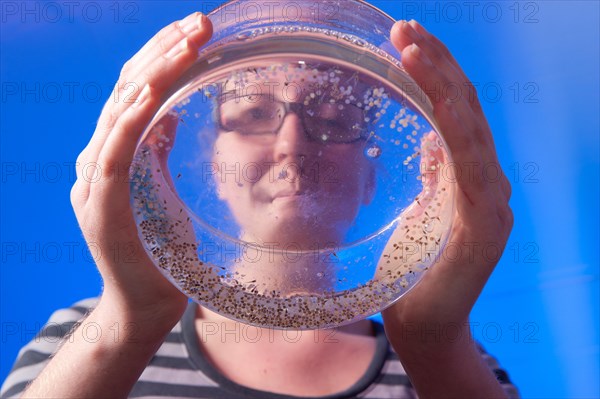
{"x":473,"y":134}
{"x":191,"y":33}
{"x":404,"y":34}
{"x":506,"y":186}
{"x":191,"y":28}
{"x":426,"y":75}
{"x":161,"y":141}
{"x":432,"y":160}
{"x":434,"y":76}
{"x":454,"y":85}
{"x":467,"y":96}
{"x":449,"y":80}
{"x":162,"y":136}
{"x":165,"y":63}
{"x":432,"y":156}
{"x":465,"y":152}
{"x":167,"y":37}
{"x":436,"y":46}
{"x":163,"y":73}
{"x":117,"y":153}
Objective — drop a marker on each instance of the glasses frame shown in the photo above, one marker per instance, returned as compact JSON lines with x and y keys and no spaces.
{"x":299,"y":110}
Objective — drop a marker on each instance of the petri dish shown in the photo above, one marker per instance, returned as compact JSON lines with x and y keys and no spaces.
{"x":294,"y":177}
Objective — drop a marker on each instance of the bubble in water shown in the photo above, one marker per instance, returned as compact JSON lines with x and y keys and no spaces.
{"x":373,"y":151}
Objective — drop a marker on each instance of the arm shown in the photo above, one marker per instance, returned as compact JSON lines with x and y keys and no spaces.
{"x":136,"y":298}
{"x":447,"y":369}
{"x":93,"y":362}
{"x":439,"y":366}
{"x":36,"y":353}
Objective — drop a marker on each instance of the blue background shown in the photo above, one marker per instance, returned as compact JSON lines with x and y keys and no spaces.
{"x":537,"y":67}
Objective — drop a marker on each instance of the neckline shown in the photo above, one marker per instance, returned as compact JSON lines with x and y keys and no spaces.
{"x":197,"y":358}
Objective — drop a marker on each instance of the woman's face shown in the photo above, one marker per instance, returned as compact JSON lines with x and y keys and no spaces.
{"x":291,"y":165}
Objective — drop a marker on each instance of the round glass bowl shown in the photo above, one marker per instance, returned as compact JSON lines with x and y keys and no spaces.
{"x":294,"y":177}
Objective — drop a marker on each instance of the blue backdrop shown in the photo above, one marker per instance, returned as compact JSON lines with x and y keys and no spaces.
{"x":535,"y":64}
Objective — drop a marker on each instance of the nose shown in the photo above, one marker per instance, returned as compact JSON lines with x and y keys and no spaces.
{"x":292,"y":141}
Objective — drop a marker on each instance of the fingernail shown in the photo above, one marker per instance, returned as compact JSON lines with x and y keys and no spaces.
{"x":203,"y":19}
{"x":144,"y":95}
{"x":178,"y":49}
{"x":410,"y":31}
{"x":417,"y":52}
{"x":413,"y":23}
{"x":190,"y":23}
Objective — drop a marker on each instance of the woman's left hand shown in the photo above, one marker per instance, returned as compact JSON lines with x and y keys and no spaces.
{"x":482,"y":221}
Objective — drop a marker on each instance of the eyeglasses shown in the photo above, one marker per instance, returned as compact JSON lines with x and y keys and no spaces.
{"x":325,"y":121}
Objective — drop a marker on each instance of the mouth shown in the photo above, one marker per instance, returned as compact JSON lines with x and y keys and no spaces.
{"x":288,"y":196}
{"x":291,"y":195}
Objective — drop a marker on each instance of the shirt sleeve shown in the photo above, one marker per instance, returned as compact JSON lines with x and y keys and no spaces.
{"x":34,"y":356}
{"x":501,"y":375}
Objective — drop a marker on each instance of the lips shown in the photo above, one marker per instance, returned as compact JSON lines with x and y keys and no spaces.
{"x":291,"y":193}
{"x":288,"y":193}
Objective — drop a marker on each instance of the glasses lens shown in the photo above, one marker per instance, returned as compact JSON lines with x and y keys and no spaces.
{"x":252,"y":114}
{"x":333,"y":122}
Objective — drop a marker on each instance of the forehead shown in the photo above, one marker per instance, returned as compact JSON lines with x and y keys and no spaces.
{"x":297,"y":82}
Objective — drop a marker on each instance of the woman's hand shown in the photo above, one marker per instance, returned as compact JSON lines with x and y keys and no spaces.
{"x":133,"y":288}
{"x":430,"y":323}
{"x":139,"y":306}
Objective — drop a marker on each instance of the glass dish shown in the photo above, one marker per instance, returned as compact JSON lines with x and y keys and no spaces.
{"x":294,"y":177}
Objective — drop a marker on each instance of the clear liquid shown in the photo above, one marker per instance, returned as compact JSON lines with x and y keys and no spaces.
{"x":194,"y":226}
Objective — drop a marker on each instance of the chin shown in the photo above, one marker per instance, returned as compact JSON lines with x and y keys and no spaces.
{"x":299,"y":233}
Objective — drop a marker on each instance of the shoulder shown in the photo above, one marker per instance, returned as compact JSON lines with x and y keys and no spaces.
{"x":33,"y":357}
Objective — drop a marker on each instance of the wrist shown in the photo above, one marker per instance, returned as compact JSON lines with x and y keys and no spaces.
{"x":428,"y":339}
{"x":448,"y":368}
{"x":129,"y":325}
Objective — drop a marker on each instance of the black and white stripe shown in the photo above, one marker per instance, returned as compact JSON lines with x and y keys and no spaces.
{"x":179,"y":370}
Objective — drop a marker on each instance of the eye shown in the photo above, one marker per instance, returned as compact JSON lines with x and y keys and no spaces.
{"x":341,"y":123}
{"x":332,"y":124}
{"x":260,"y":112}
{"x":250,"y":114}
{"x":329,"y":111}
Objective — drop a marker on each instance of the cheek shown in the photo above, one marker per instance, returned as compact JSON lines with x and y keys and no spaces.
{"x":230,"y":151}
{"x":346,"y":166}
{"x":238,"y":167}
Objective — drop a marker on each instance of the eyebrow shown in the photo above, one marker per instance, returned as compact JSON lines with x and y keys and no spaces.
{"x":235,"y":95}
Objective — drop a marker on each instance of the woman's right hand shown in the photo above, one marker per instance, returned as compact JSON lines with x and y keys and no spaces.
{"x":134,"y":290}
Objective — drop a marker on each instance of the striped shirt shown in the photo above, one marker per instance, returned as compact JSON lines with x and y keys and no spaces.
{"x":180,"y":370}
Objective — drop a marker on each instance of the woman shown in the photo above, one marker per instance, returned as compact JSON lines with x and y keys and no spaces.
{"x":140,"y":304}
